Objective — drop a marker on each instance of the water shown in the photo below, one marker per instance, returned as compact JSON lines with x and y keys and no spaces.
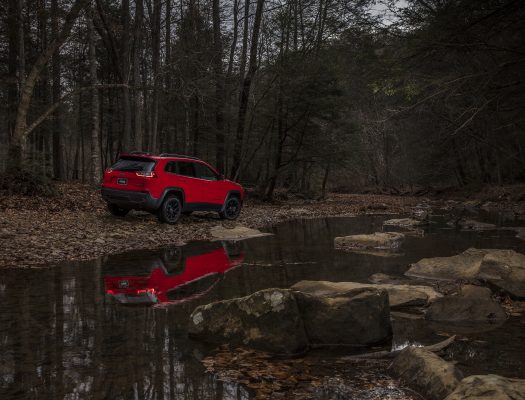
{"x":114,"y":328}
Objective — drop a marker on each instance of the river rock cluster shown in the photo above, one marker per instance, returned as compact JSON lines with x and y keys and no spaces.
{"x":323,"y":313}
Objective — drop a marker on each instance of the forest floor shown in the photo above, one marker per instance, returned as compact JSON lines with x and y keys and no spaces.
{"x":75,"y":225}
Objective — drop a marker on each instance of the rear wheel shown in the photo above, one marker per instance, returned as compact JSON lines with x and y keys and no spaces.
{"x":232,"y":208}
{"x":170,"y":210}
{"x":117,"y":211}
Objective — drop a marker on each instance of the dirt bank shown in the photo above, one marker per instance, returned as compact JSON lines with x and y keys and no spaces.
{"x":38,"y":231}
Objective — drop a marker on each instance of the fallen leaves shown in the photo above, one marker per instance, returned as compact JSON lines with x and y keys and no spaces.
{"x":269,"y":377}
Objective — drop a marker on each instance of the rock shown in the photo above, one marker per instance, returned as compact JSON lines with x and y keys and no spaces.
{"x":399,"y":295}
{"x":239,"y":232}
{"x":353,"y":317}
{"x":426,"y":372}
{"x":471,"y":225}
{"x":408,"y":223}
{"x":505,"y":270}
{"x":462,"y":266}
{"x":421,"y":213}
{"x":472,"y":304}
{"x":384,"y":278}
{"x":377,"y":240}
{"x":489,"y":387}
{"x":267,"y":320}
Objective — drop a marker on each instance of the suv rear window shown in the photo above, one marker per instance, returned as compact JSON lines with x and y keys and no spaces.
{"x":134,"y":164}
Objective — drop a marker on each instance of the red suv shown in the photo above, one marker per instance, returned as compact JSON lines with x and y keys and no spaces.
{"x":169,"y":185}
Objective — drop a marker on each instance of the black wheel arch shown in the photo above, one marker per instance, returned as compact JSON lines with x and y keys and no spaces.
{"x":178,"y":191}
{"x":231,"y":193}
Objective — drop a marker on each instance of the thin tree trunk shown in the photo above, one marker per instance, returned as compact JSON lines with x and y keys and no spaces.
{"x":245,"y":91}
{"x":156,"y":78}
{"x":219,"y":88}
{"x":58,"y":142}
{"x":95,"y":127}
{"x":137,"y":50}
{"x":125,"y":68}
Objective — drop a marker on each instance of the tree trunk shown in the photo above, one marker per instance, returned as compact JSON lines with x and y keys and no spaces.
{"x":95,"y":127}
{"x":245,"y":91}
{"x":125,"y":68}
{"x":18,"y":145}
{"x":156,"y":78}
{"x":12,"y":65}
{"x":58,"y":142}
{"x":137,"y":50}
{"x":219,"y":88}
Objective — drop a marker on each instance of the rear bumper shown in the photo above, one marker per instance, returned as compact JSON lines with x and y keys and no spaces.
{"x":130,"y":199}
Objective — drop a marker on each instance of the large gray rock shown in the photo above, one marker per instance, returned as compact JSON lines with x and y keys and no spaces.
{"x":377,"y":240}
{"x":489,"y":387}
{"x":354,"y":317}
{"x":472,"y":304}
{"x":505,"y":270}
{"x":239,"y":232}
{"x":267,"y":320}
{"x":400,"y":295}
{"x":462,"y":266}
{"x":426,"y":372}
{"x":502,"y":269}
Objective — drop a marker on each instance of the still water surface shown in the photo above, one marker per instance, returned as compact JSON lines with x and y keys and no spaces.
{"x":114,"y":328}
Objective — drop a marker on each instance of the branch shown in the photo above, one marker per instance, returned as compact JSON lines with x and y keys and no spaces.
{"x":55,"y":105}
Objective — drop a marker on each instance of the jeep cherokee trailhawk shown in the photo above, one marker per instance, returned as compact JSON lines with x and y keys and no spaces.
{"x":169,"y":185}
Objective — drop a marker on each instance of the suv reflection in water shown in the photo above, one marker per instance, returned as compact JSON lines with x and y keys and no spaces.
{"x":169,"y":276}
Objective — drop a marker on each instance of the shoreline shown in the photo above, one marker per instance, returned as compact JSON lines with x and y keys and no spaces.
{"x":38,"y":232}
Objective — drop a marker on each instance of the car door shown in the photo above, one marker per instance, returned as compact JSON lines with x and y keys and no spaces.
{"x":181,"y":174}
{"x":210,"y":191}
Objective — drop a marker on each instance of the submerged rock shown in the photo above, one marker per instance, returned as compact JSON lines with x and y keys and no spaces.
{"x":505,"y":270}
{"x":472,"y":304}
{"x":489,"y":387}
{"x":408,"y":223}
{"x":400,"y":295}
{"x":426,"y":372}
{"x":239,"y":232}
{"x":472,"y":225}
{"x":267,"y":320}
{"x":462,"y":266}
{"x":502,"y":269}
{"x":390,"y":241}
{"x":353,"y":317}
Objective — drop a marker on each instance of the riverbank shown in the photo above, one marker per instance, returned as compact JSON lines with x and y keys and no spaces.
{"x":75,"y":225}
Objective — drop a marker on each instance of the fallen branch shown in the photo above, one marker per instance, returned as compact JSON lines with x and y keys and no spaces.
{"x":391,"y":354}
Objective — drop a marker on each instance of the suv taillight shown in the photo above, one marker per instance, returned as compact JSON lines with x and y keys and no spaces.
{"x":150,"y":174}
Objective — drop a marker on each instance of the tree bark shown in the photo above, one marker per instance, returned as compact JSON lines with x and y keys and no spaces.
{"x":126,"y":67}
{"x":219,"y":87}
{"x":137,"y":50}
{"x":95,"y":121}
{"x":245,"y":90}
{"x":58,"y":142}
{"x":156,"y":78}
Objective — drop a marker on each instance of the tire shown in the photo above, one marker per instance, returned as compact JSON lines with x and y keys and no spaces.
{"x":117,"y":211}
{"x":232,"y":208}
{"x":170,"y":210}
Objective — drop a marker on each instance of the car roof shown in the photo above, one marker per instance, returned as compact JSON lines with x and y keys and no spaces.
{"x":161,"y":156}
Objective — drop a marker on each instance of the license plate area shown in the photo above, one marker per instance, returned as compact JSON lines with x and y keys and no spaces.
{"x":122,"y":181}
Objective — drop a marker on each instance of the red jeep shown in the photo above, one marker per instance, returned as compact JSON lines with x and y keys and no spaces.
{"x":169,"y":185}
{"x":169,"y":276}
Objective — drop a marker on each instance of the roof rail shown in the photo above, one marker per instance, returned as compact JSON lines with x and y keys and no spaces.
{"x":140,"y":152}
{"x":178,"y":155}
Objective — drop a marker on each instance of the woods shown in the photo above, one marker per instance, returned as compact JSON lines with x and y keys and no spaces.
{"x":307,"y":95}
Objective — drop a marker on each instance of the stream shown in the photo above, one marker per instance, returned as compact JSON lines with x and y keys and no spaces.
{"x":115,"y":327}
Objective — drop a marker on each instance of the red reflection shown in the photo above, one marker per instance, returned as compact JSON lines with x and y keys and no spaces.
{"x":168,"y":275}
